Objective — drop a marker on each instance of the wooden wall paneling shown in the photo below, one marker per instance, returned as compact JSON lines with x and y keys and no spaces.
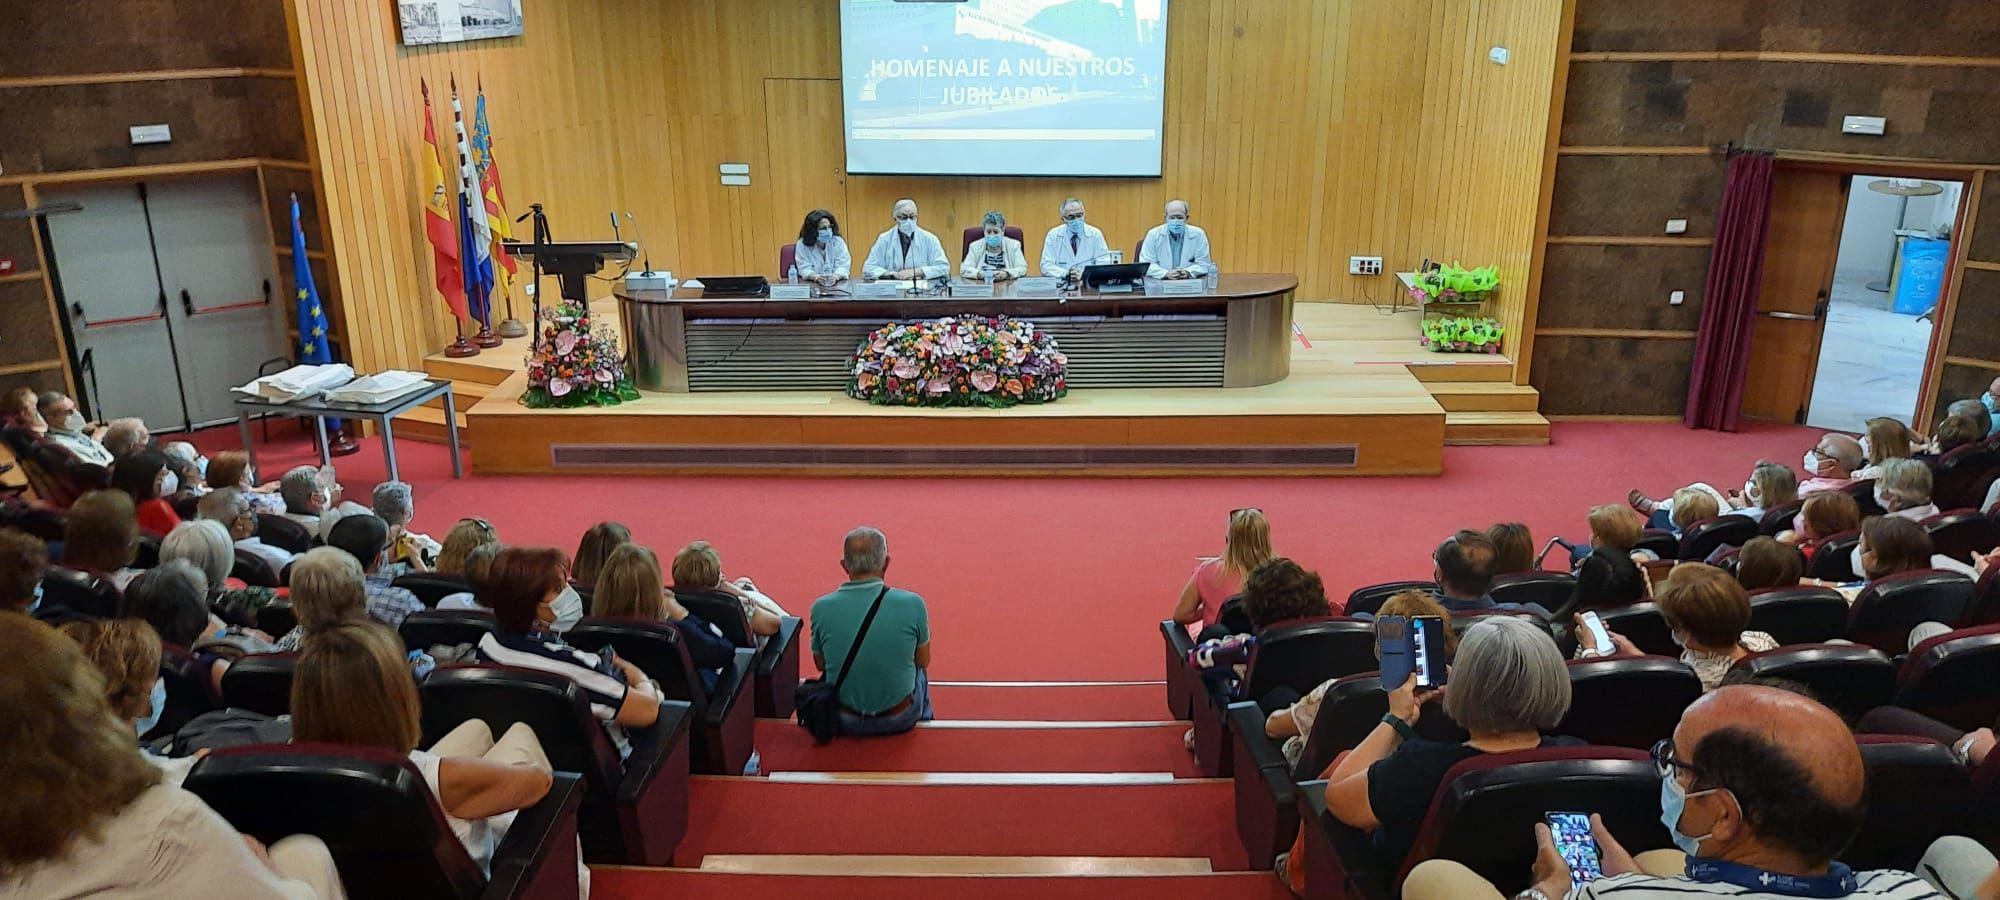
{"x":81,"y":127}
{"x":1942,"y":27}
{"x":90,"y":36}
{"x":1621,"y":287}
{"x":801,"y":121}
{"x":1944,"y":320}
{"x":1635,"y":377}
{"x":1531,"y":295}
{"x":1636,"y":195}
{"x":27,"y":332}
{"x":17,"y":236}
{"x":57,"y":347}
{"x":1975,"y":331}
{"x":1957,"y":381}
{"x":1982,"y":244}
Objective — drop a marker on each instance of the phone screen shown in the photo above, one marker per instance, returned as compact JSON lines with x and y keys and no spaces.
{"x":1427,"y":650}
{"x":1598,"y":633}
{"x":1571,"y":831}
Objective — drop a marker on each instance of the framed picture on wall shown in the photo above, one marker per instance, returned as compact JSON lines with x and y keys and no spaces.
{"x":450,"y":21}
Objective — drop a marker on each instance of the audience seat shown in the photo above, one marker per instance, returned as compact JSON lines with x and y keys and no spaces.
{"x":260,"y":683}
{"x":1954,"y":678}
{"x":1851,"y":679}
{"x":253,"y":570}
{"x":777,"y":661}
{"x":1960,"y":533}
{"x":634,"y":813}
{"x":146,"y":553}
{"x":1294,"y":655}
{"x":723,"y":742}
{"x":430,"y":587}
{"x":1644,"y":624}
{"x":385,"y":829}
{"x":1982,"y":821}
{"x":1834,"y":559}
{"x":284,"y":533}
{"x":45,"y":522}
{"x":1549,"y":590}
{"x":1863,"y":493}
{"x":1369,"y":598}
{"x":1660,"y":542}
{"x":1183,"y":682}
{"x":1779,"y":518}
{"x":83,"y":594}
{"x":276,"y":618}
{"x":1962,"y":477}
{"x":1703,"y":538}
{"x":1916,"y":792}
{"x":1629,"y":701}
{"x":1799,"y":615}
{"x":1886,"y":611}
{"x":428,"y":628}
{"x":1985,"y":599}
{"x":978,"y":232}
{"x":190,"y":692}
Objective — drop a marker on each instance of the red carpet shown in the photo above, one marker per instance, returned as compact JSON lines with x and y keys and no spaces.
{"x":1157,"y":748}
{"x":1061,"y":578}
{"x":649,"y":884}
{"x":1090,"y":703}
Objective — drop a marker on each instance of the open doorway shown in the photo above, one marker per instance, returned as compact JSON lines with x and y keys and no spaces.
{"x":1888,"y":278}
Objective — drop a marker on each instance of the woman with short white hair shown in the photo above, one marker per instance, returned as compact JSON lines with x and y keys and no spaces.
{"x":1904,"y":489}
{"x":206,"y":544}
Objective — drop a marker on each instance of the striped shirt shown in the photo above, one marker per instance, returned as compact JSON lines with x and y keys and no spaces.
{"x":1887,"y":883}
{"x":600,"y":680}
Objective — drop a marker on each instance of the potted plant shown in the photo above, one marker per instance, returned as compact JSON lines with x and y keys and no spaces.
{"x":1452,"y":283}
{"x":1463,"y":334}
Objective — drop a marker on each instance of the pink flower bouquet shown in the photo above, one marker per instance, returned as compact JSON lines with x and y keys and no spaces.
{"x":572,"y":365}
{"x":991,"y":361}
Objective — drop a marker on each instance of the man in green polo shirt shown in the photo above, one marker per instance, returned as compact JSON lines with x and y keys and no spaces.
{"x":886,"y":691}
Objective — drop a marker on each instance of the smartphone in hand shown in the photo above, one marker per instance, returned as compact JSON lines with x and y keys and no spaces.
{"x":1393,"y":648}
{"x":1571,"y":832}
{"x":1600,"y":637}
{"x":1427,"y":642}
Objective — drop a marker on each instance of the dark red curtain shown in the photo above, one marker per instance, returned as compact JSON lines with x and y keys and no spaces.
{"x":1729,"y":301}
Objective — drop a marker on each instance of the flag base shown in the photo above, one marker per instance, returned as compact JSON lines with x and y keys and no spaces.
{"x":460,"y":349}
{"x":486,"y":337}
{"x":338,"y":443}
{"x":512,"y":328}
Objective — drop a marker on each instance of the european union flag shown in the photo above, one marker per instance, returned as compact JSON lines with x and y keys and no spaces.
{"x":313,"y":348}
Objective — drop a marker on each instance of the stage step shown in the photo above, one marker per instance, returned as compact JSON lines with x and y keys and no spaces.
{"x":1463,"y":429}
{"x":426,"y":424}
{"x":1498,"y":369}
{"x":787,"y":748}
{"x":1484,"y":396}
{"x":464,"y":394}
{"x":489,"y":368}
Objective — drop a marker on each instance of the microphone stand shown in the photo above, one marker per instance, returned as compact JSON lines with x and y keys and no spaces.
{"x":542,"y":239}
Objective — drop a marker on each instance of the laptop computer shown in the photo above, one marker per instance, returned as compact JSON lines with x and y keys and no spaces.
{"x":735,"y":286}
{"x":1117,"y":277}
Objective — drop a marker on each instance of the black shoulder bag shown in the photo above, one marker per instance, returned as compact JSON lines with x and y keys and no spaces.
{"x":818,"y":703}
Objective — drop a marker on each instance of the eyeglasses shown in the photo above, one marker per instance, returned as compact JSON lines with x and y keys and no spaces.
{"x":480,"y":524}
{"x":1665,"y":763}
{"x":910,"y":217}
{"x":1071,"y":217}
{"x":1244,"y":509}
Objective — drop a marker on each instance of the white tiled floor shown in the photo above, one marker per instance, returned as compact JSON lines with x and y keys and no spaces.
{"x":1869,"y":361}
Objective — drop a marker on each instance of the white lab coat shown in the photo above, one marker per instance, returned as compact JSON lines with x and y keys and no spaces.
{"x":1057,"y":257}
{"x":887,"y":256}
{"x":1158,"y":251}
{"x":831,"y":259}
{"x":975,"y":259}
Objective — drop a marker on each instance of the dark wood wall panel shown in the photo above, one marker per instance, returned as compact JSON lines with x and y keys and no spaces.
{"x":1986,"y":238}
{"x":50,"y":129}
{"x":1934,"y":112}
{"x":1611,"y":376}
{"x":40,"y":381}
{"x":26,"y":334}
{"x":1934,"y":27}
{"x":279,"y":185}
{"x":1975,"y":330}
{"x":1635,"y":195}
{"x":70,"y":37}
{"x":17,"y":236}
{"x":1957,"y":383}
{"x":1587,"y":286}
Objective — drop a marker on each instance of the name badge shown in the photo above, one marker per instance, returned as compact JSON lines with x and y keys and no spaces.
{"x":877,"y":290}
{"x":1181,"y":287}
{"x":974,"y":288}
{"x":1039,"y":285}
{"x":791,"y":292}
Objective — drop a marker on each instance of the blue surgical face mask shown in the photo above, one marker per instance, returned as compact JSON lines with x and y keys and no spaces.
{"x":1673,"y":801}
{"x":35,"y":602}
{"x":825,"y":236}
{"x":993,"y":241}
{"x":1992,"y":403}
{"x":158,"y":704}
{"x":906,"y":227}
{"x":1076,"y":225}
{"x":1176,"y":226}
{"x":201,"y":465}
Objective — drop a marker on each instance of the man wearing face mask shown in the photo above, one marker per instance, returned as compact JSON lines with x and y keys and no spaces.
{"x":365,"y":538}
{"x":1176,"y":249}
{"x":1072,"y":245}
{"x":1759,"y":787}
{"x":23,"y":559}
{"x":84,"y":441}
{"x":905,"y":251}
{"x":1830,"y":464}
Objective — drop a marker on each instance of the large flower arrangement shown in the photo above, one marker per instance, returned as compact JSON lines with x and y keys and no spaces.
{"x":571,"y":365}
{"x":992,"y":361}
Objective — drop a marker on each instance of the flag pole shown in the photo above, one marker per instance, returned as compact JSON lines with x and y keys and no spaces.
{"x":460,"y":348}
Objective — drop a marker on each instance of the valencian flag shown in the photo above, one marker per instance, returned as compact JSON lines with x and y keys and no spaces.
{"x":438,"y":228}
{"x":313,"y":349}
{"x":476,"y":238}
{"x":494,"y":198}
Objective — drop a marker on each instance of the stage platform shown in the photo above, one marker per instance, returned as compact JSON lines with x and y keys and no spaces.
{"x":1362,"y":399}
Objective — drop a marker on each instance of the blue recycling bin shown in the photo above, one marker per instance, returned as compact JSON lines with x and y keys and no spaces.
{"x":1923,"y":274}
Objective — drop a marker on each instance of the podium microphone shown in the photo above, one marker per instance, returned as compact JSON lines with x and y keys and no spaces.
{"x":637,"y":238}
{"x":614,"y":228}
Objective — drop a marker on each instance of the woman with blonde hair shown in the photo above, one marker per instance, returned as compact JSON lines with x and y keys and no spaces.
{"x":628,"y":586}
{"x":88,"y":816}
{"x":594,"y":549}
{"x":697,"y":568}
{"x":1246,"y":546}
{"x":459,"y":541}
{"x":1885,"y":439}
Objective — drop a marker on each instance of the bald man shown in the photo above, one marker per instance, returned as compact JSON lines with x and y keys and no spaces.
{"x":905,"y":252}
{"x":1830,"y":464}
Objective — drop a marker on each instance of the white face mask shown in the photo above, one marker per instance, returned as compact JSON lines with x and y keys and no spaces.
{"x":568,"y":609}
{"x":1812,"y":461}
{"x":1865,"y":452}
{"x":169,"y":483}
{"x":73,"y":421}
{"x":1854,"y":559}
{"x":1751,"y":493}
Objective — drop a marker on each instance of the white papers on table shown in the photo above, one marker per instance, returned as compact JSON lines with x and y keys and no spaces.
{"x":299,"y":381}
{"x":378,"y":388}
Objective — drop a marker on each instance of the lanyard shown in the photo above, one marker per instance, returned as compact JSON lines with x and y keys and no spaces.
{"x":1837,"y":882}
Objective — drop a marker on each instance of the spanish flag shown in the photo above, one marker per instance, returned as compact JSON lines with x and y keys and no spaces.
{"x":438,"y":226}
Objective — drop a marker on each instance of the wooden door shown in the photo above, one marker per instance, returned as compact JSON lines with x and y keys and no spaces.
{"x":808,"y":163}
{"x":1807,"y":207}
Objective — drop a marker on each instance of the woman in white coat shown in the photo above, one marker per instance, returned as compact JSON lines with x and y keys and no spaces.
{"x":997,"y":257}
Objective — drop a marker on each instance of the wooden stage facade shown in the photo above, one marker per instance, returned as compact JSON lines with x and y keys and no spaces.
{"x":1362,"y":399}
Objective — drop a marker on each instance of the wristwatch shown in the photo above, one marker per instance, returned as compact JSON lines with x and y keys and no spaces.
{"x":1533,"y":893}
{"x":1403,"y":730}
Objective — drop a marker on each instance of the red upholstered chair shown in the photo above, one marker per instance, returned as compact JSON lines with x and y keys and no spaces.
{"x":1549,"y":590}
{"x":1778,"y":519}
{"x":788,"y":255}
{"x":431,"y":587}
{"x":777,"y":660}
{"x":1833,"y":560}
{"x":1953,"y":677}
{"x":253,"y":570}
{"x":1627,"y":701}
{"x":428,"y":628}
{"x":1799,"y":615}
{"x":1960,"y":533}
{"x":1660,"y":541}
{"x":1704,"y":538}
{"x":1916,"y":792}
{"x":976,"y":232}
{"x":1962,"y":477}
{"x":1183,"y":682}
{"x":1886,"y":611}
{"x":1369,"y":598}
{"x":1863,"y":493}
{"x":79,"y":593}
{"x":277,"y":618}
{"x":284,"y":533}
{"x":1645,"y":625}
{"x":1985,"y":599}
{"x":190,"y":692}
{"x":1849,"y":678}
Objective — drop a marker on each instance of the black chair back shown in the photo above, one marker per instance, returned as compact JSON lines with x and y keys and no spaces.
{"x":1916,"y":792}
{"x":551,"y":704}
{"x":1985,"y":600}
{"x":1350,"y":709}
{"x":1848,"y":678}
{"x":1886,"y":611}
{"x":1645,"y":625}
{"x":146,"y":554}
{"x":261,"y":683}
{"x":430,"y":587}
{"x":1660,"y":543}
{"x":1369,"y":598}
{"x":185,"y":505}
{"x":1863,"y":493}
{"x":1779,"y":518}
{"x":44,"y":522}
{"x":1963,"y":476}
{"x":1960,"y":533}
{"x":1952,"y":678}
{"x":253,"y":570}
{"x":1833,"y":560}
{"x":1299,"y":655}
{"x":284,"y":533}
{"x":189,"y":690}
{"x":378,"y":818}
{"x":1799,"y":615}
{"x":655,"y":647}
{"x":276,"y":618}
{"x":85,"y":594}
{"x":1704,"y":538}
{"x":720,"y":609}
{"x":431,"y":627}
{"x":1549,"y":590}
{"x":1628,"y":701}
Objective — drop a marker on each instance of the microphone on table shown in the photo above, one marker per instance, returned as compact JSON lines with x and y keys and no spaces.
{"x":637,"y":238}
{"x":1075,"y":274}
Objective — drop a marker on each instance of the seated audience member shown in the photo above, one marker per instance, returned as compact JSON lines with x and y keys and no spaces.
{"x":1513,"y":548}
{"x":144,"y":476}
{"x":124,"y":437}
{"x":1278,"y":591}
{"x":126,"y":652}
{"x":1769,"y":485}
{"x":17,"y":411}
{"x":1246,"y":545}
{"x":697,"y":567}
{"x":366,"y":538}
{"x":101,"y":536}
{"x":1608,"y":579}
{"x":1951,"y":433}
{"x":1691,"y":507}
{"x":1760,"y":788}
{"x":326,"y":591}
{"x":1830,"y":464}
{"x":1977,"y":411}
{"x":1764,"y":563}
{"x":313,"y":498}
{"x":1614,"y":527}
{"x":173,"y":598}
{"x":628,"y":586}
{"x":409,"y":551}
{"x":23,"y":559}
{"x":1293,"y":723}
{"x":352,"y":686}
{"x":1889,"y":546}
{"x":1885,"y":439}
{"x":231,"y":507}
{"x":459,"y":541}
{"x":594,"y":549}
{"x":996,"y":257}
{"x":1970,"y":748}
{"x":87,"y":816}
{"x":1508,"y":686}
{"x":1463,"y":567}
{"x":67,"y":431}
{"x":206,"y":545}
{"x":190,"y":468}
{"x":887,"y":691}
{"x":523,"y":585}
{"x":1824,"y":515}
{"x":1710,"y":616}
{"x":1904,"y":489}
{"x":475,"y":568}
{"x":231,"y":469}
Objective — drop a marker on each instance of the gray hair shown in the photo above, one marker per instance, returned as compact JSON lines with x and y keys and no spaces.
{"x":1168,"y":209}
{"x":123,"y":436}
{"x":993,"y":217}
{"x":224,"y":505}
{"x":1973,"y":409}
{"x":327,"y":588}
{"x":899,"y":204}
{"x":181,"y":452}
{"x":1507,"y":676}
{"x":865,"y":550}
{"x":204,"y":543}
{"x":1906,"y":481}
{"x":1065,"y":204}
{"x":298,"y":487}
{"x":393,"y":502}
